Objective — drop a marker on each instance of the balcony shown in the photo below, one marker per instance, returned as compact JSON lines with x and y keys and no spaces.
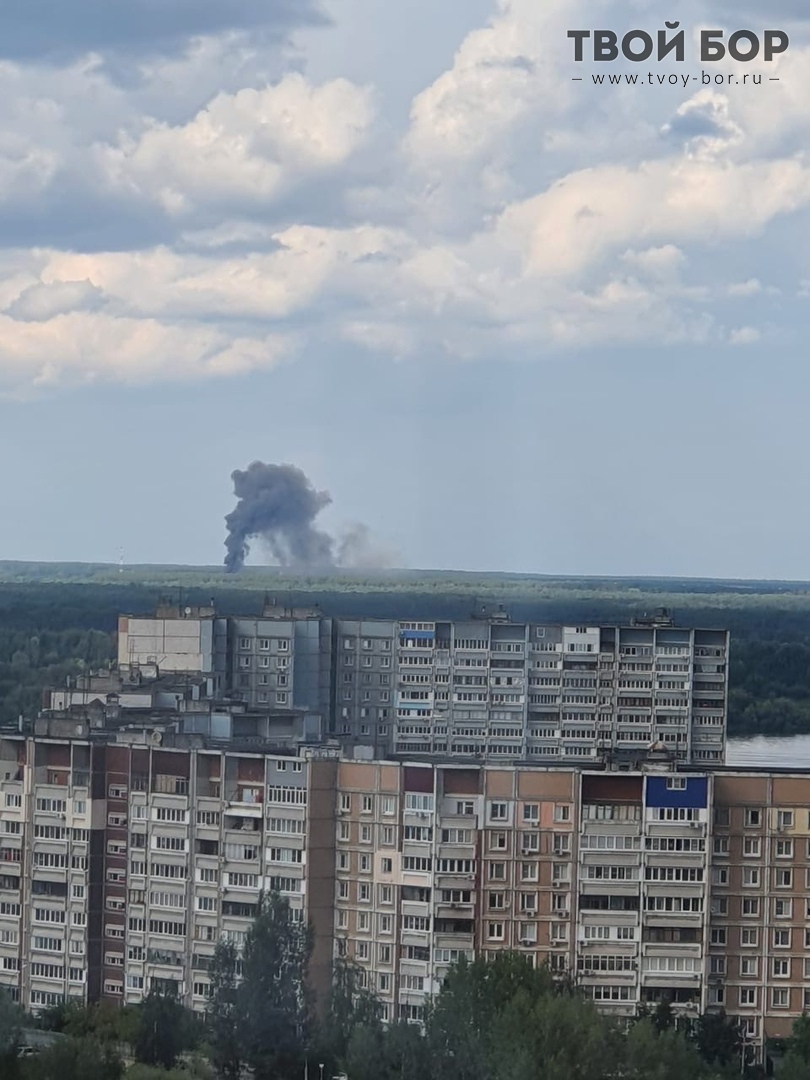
{"x":245,"y":802}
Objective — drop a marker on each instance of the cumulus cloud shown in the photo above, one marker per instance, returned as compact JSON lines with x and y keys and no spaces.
{"x":214,"y":204}
{"x":745,"y":335}
{"x":245,"y":147}
{"x":82,"y":348}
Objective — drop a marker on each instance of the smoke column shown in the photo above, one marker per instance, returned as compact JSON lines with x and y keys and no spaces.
{"x":278,"y":504}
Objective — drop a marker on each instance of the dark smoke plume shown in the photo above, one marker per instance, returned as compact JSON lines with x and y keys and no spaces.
{"x":278,"y":505}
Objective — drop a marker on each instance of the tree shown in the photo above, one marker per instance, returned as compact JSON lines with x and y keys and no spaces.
{"x":222,"y":1016}
{"x":398,"y":1052}
{"x":274,"y":1004}
{"x":718,"y":1039}
{"x":163,"y":1028}
{"x":11,"y":1020}
{"x":264,"y":1020}
{"x":503,"y":1019}
{"x":74,"y":1059}
{"x":653,"y":1053}
{"x":796,"y":1062}
{"x":351,"y":1006}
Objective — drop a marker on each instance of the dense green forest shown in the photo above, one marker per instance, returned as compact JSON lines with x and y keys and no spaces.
{"x":56,"y":619}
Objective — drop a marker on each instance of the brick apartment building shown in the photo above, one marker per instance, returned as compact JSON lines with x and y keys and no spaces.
{"x":128,"y":854}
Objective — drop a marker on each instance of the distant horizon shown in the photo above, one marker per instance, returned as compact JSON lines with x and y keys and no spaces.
{"x":328,"y":572}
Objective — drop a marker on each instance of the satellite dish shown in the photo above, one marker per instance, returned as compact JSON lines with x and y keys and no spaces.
{"x":188,"y":611}
{"x":157,"y":738}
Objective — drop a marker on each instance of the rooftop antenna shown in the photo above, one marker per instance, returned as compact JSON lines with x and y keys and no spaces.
{"x":120,"y":560}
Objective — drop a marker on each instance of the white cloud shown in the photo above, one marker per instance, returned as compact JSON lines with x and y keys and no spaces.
{"x":745,"y":288}
{"x":500,"y":75}
{"x":745,"y":335}
{"x":251,"y":145}
{"x":86,"y":347}
{"x":306,"y":263}
{"x":586,"y":215}
{"x":228,"y":198}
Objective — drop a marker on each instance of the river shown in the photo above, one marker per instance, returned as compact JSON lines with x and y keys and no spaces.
{"x":779,"y":752}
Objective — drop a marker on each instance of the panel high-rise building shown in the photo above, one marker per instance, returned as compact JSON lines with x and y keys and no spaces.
{"x":485,"y":688}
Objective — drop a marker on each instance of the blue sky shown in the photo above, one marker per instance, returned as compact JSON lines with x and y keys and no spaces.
{"x":509,"y":321}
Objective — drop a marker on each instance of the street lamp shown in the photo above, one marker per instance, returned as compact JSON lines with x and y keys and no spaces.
{"x":320,"y":1066}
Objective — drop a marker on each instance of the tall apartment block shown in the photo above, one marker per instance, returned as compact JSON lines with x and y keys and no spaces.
{"x":125,"y":862}
{"x":481,"y":689}
{"x":128,"y":853}
{"x":601,"y":875}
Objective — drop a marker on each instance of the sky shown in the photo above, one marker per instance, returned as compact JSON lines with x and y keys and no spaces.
{"x":509,"y":320}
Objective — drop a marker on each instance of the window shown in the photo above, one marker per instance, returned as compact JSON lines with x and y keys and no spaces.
{"x":498,"y":811}
{"x":751,"y":878}
{"x":676,"y":783}
{"x":748,"y":996}
{"x":749,"y":967}
{"x":781,"y":939}
{"x":367,"y":804}
{"x":781,"y":968}
{"x":783,"y":849}
{"x":752,"y":819}
{"x":721,"y":846}
{"x":783,"y":878}
{"x":750,"y":907}
{"x":422,"y":804}
{"x":749,"y":937}
{"x":784,"y":819}
{"x":562,"y":812}
{"x":531,"y":812}
{"x":752,"y":847}
{"x":719,"y":935}
{"x":495,"y":931}
{"x":783,"y":909}
{"x":780,"y":999}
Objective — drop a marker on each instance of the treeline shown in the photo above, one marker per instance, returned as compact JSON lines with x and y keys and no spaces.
{"x":49,"y":630}
{"x":491,"y":1020}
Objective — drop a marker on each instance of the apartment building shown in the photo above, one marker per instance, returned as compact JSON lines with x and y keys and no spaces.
{"x":433,"y":863}
{"x":481,"y":688}
{"x":46,"y":828}
{"x":126,"y":861}
{"x":177,"y":638}
{"x":643,"y":889}
{"x":759,"y":934}
{"x":502,"y":690}
{"x":603,"y":875}
{"x":128,"y":853}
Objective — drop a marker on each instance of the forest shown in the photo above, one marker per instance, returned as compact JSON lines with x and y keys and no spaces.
{"x":59,"y":619}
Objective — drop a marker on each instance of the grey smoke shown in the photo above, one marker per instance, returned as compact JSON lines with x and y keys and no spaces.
{"x":278,"y":505}
{"x":358,"y":550}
